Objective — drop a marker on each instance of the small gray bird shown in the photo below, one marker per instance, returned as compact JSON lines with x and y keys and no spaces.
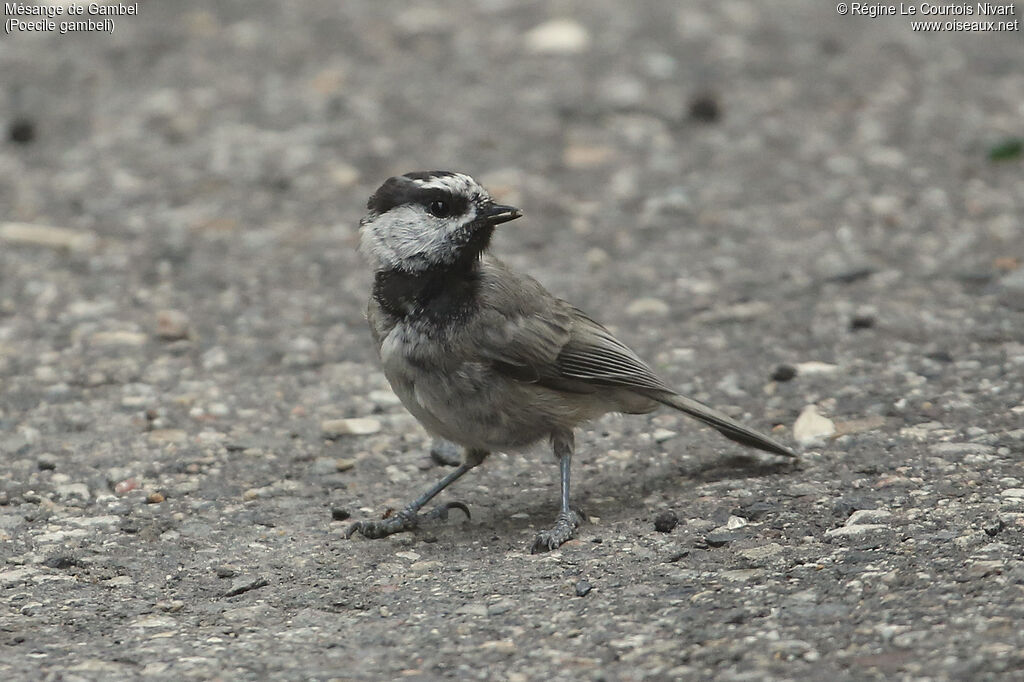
{"x":484,"y":356}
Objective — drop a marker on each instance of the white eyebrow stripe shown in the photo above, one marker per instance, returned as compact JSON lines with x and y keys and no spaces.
{"x":457,"y":183}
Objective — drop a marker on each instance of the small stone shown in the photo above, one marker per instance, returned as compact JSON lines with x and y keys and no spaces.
{"x":583,"y":588}
{"x":119,"y":581}
{"x":662,"y":435}
{"x":784,"y":373}
{"x":1013,"y":493}
{"x":705,"y":108}
{"x":648,"y":306}
{"x":70,"y":491}
{"x":581,"y":156}
{"x":868,"y":516}
{"x":735,"y":523}
{"x":172,"y":325}
{"x":856,"y":530}
{"x":245,"y":584}
{"x":558,"y":36}
{"x":340,"y":513}
{"x":472,"y":609}
{"x":344,"y":464}
{"x":762,"y":552}
{"x":47,"y":236}
{"x":720,"y":538}
{"x":126,"y":486}
{"x":502,"y":646}
{"x":225,"y":571}
{"x":356,"y":426}
{"x":165,"y":436}
{"x":859,"y":425}
{"x":814,"y":367}
{"x":811,"y":427}
{"x":21,"y":130}
{"x":46,"y":461}
{"x":994,"y":527}
{"x":118,"y":338}
{"x":215,"y":358}
{"x":500,"y":607}
{"x":666,"y":521}
{"x":154,"y":498}
{"x":862,"y":321}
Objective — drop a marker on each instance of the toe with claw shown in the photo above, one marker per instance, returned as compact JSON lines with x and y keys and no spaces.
{"x":405,"y":520}
{"x":563,"y":531}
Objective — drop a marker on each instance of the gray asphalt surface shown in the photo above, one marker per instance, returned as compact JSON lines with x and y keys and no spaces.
{"x":740,"y":191}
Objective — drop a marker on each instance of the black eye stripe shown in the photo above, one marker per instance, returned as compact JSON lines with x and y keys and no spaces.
{"x":398,"y":191}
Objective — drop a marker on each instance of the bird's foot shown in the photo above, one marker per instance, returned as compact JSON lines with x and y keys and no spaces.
{"x":402,"y":521}
{"x":563,"y":531}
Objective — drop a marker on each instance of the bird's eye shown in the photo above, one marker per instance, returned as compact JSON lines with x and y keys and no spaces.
{"x":439,"y":208}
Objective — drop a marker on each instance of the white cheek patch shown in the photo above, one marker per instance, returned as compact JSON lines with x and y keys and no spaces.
{"x":408,"y":237}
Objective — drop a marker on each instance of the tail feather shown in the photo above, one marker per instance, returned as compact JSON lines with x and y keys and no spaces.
{"x":724,"y":424}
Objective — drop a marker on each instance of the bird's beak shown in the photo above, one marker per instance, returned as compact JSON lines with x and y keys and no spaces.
{"x":496,"y":214}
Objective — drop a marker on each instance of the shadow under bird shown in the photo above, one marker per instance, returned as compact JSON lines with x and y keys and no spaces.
{"x":484,"y":356}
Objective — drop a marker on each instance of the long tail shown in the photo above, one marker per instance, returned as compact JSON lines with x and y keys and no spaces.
{"x":725,"y":425}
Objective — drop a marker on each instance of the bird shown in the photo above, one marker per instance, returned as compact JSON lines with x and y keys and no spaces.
{"x":484,"y":356}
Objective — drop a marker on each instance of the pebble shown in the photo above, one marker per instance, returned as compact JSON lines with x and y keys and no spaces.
{"x":245,"y":584}
{"x":472,"y":609}
{"x":784,"y":373}
{"x":47,"y":461}
{"x":735,"y":523}
{"x":118,"y":338}
{"x":859,"y":425}
{"x":45,"y":235}
{"x":705,"y":108}
{"x":856,"y":530}
{"x":172,"y":325}
{"x":1013,"y":493}
{"x":164,"y":436}
{"x":762,"y":552}
{"x":558,"y":36}
{"x":70,"y":491}
{"x":647,"y":306}
{"x":583,"y":588}
{"x":344,"y":464}
{"x":356,"y":426}
{"x":666,"y":521}
{"x":811,"y":427}
{"x":814,"y":367}
{"x":721,"y":537}
{"x":868,"y":516}
{"x":662,"y":435}
{"x":215,"y":358}
{"x":154,"y":498}
{"x":500,"y":607}
{"x":340,"y":513}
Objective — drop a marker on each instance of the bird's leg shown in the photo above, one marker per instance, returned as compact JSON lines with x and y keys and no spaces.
{"x":409,"y":517}
{"x":568,"y":520}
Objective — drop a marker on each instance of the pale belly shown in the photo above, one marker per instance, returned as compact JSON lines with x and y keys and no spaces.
{"x":470,"y":404}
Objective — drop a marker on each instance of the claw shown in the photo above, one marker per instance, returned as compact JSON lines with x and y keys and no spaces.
{"x":402,"y":521}
{"x":563,"y":531}
{"x":441,"y":511}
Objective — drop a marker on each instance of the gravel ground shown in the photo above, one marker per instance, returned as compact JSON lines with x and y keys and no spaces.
{"x":790,"y":213}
